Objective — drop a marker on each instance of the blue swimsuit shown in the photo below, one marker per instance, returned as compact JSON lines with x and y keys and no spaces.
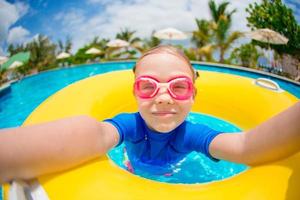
{"x":154,"y":150}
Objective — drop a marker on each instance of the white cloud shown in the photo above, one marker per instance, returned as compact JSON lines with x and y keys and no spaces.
{"x":144,"y":16}
{"x":74,"y":17}
{"x":22,"y":8}
{"x":18,"y":35}
{"x":9,"y":14}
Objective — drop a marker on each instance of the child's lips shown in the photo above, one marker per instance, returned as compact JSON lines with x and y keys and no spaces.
{"x":163,"y":113}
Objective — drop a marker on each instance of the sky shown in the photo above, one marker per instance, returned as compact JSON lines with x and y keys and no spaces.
{"x":21,"y":21}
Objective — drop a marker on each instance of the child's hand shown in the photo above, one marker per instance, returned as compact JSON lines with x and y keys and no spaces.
{"x":274,"y":139}
{"x":27,"y":152}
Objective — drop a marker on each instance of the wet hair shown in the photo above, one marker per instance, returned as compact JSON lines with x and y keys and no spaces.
{"x":170,"y":50}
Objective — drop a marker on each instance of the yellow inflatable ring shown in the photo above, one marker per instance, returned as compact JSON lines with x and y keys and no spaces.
{"x":232,"y":98}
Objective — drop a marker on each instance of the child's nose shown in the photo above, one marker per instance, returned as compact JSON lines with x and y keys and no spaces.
{"x":163,"y":96}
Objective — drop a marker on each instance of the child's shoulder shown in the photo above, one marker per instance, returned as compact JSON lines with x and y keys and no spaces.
{"x":125,"y":119}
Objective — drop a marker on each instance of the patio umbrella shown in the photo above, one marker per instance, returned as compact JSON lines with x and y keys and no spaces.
{"x":63,"y":55}
{"x":170,"y":34}
{"x":21,"y":57}
{"x":268,"y":36}
{"x":3,"y":59}
{"x":93,"y":51}
{"x":117,"y":43}
{"x":15,"y":65}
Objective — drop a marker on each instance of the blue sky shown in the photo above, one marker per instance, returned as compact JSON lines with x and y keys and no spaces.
{"x":21,"y":21}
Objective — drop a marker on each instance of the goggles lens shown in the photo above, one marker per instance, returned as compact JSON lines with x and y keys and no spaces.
{"x":180,"y":88}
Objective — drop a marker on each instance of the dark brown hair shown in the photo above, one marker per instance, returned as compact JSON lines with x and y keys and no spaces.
{"x":171,"y":50}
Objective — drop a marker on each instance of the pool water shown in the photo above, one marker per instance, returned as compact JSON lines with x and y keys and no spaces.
{"x":25,"y":95}
{"x":194,"y":168}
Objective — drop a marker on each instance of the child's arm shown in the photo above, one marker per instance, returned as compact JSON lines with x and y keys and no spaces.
{"x":274,"y":139}
{"x":27,"y":152}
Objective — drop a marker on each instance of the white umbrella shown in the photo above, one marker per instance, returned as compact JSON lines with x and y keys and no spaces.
{"x":93,"y":51}
{"x":117,"y":43}
{"x":15,"y":65}
{"x":268,"y":36}
{"x":3,"y":59}
{"x":63,"y":55}
{"x":170,"y":34}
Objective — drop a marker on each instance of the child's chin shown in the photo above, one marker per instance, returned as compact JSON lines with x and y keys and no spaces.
{"x":165,"y":128}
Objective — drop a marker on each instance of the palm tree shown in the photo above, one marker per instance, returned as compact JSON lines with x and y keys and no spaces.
{"x":98,"y":43}
{"x":245,"y":55}
{"x":42,"y":53}
{"x":221,"y":23}
{"x":218,"y":12}
{"x":65,"y":47}
{"x":128,"y":36}
{"x":149,"y":43}
{"x":202,"y":37}
{"x":133,"y":41}
{"x":15,"y":49}
{"x":82,"y":57}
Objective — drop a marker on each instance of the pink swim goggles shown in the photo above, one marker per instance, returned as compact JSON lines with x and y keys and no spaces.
{"x":179,"y":88}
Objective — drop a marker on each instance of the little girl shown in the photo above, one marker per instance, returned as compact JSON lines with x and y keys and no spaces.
{"x":157,"y":135}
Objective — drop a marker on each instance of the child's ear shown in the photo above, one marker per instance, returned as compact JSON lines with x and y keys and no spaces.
{"x":133,"y":92}
{"x":195,"y":92}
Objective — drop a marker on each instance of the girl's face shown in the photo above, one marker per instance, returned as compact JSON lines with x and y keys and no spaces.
{"x":163,"y":113}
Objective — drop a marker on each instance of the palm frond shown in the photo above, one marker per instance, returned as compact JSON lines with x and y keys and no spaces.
{"x":231,"y":38}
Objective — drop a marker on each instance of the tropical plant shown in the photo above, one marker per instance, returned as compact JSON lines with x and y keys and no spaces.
{"x":82,"y":57}
{"x":277,"y":16}
{"x":42,"y":53}
{"x":191,"y":53}
{"x":134,"y":42}
{"x":221,"y":24}
{"x":14,"y":49}
{"x":2,"y":72}
{"x":245,"y":55}
{"x":128,"y":36}
{"x":148,"y":43}
{"x":202,"y":37}
{"x":215,"y":34}
{"x":100,"y":44}
{"x":65,"y":47}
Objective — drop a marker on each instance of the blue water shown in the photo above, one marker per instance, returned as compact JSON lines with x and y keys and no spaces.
{"x":28,"y":93}
{"x":24,"y":96}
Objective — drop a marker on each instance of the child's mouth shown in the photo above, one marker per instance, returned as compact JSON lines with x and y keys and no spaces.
{"x":164,"y":113}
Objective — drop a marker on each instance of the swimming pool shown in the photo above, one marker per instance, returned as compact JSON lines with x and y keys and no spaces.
{"x":23,"y":96}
